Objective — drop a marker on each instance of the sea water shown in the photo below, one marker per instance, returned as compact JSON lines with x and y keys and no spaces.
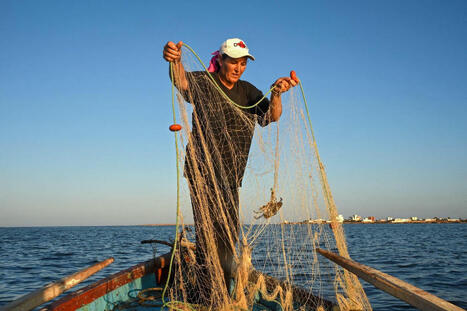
{"x":430,"y":256}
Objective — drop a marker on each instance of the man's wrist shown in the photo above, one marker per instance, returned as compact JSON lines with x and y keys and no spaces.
{"x":275,"y":92}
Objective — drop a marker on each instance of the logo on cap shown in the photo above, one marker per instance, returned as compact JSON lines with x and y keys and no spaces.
{"x":240,"y":44}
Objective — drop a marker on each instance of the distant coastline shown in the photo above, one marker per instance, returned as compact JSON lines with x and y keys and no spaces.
{"x":382,"y":222}
{"x":357,"y":219}
{"x":410,"y":222}
{"x":455,"y":221}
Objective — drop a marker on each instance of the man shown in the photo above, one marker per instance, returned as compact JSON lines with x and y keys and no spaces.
{"x":219,"y":145}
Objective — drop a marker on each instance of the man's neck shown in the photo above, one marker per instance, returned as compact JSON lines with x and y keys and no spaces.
{"x":226,"y":83}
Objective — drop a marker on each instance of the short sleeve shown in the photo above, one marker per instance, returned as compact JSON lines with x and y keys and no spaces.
{"x":194,"y":78}
{"x":254,"y":95}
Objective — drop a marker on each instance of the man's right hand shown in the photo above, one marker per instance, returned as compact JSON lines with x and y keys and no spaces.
{"x":173,"y":52}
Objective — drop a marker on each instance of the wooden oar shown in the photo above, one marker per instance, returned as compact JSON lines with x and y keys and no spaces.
{"x":402,"y":290}
{"x":183,"y":242}
{"x":52,"y":290}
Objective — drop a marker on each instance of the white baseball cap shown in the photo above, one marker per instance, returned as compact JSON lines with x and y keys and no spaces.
{"x":235,"y":48}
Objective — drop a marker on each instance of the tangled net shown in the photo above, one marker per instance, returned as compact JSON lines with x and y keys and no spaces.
{"x":274,"y":239}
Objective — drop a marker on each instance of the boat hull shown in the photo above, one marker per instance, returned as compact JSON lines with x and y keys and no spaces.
{"x":119,"y":291}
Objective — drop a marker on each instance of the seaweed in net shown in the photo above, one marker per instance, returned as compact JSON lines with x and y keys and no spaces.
{"x":269,"y":209}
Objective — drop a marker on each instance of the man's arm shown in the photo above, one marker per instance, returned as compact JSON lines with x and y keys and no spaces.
{"x":280,"y":86}
{"x":173,"y":53}
{"x":275,"y":108}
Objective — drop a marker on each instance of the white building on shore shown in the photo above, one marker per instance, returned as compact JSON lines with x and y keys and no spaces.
{"x":401,"y":220}
{"x":356,"y":217}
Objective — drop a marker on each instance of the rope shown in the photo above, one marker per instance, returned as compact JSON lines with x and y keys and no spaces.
{"x":178,"y":193}
{"x":326,"y":188}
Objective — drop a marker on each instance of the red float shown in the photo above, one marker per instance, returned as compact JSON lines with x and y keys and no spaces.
{"x":293,"y":76}
{"x":175,"y":127}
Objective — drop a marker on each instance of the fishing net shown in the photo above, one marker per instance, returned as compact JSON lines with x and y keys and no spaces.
{"x":259,"y":211}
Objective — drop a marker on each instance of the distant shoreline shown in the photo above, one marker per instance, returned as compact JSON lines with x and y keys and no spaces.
{"x":380,"y":222}
{"x":345,"y":222}
{"x":408,"y":222}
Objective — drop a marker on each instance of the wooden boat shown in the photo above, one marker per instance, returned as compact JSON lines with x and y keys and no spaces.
{"x":120,"y":291}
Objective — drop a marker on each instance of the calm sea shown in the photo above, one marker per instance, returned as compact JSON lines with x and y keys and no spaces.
{"x":430,"y":256}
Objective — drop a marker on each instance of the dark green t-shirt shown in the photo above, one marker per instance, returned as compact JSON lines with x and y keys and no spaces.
{"x":222,"y":133}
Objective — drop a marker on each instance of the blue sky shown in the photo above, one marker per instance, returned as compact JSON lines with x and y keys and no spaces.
{"x":85,"y":101}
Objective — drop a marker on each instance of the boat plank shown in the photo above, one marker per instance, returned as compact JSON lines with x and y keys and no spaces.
{"x":52,"y":290}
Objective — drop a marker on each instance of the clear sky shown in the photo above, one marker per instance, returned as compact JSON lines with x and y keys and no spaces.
{"x":85,"y":101}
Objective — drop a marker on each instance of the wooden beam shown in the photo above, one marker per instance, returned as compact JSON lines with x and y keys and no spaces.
{"x":52,"y":290}
{"x":414,"y":296}
{"x":90,"y":293}
{"x":183,"y":243}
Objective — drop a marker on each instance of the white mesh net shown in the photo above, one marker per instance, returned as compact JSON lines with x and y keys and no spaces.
{"x":255,"y":244}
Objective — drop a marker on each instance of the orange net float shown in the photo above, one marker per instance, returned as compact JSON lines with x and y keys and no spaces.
{"x":175,"y":127}
{"x":293,"y":76}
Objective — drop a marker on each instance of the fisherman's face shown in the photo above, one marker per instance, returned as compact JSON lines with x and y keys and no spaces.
{"x":232,"y":69}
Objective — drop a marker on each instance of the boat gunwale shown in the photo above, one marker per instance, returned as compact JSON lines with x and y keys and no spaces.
{"x":92,"y":292}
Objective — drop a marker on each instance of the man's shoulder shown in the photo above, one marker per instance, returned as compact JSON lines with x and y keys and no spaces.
{"x":197,"y":74}
{"x":199,"y":78}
